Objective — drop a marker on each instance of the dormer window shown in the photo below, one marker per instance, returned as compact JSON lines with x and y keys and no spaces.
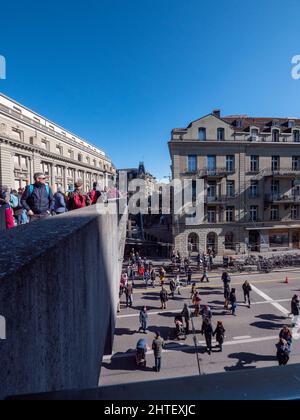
{"x":291,"y":124}
{"x":221,"y":134}
{"x":202,"y":134}
{"x":275,"y":136}
{"x":296,"y":136}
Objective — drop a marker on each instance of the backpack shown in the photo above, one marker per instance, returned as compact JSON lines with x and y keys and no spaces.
{"x":31,"y":189}
{"x":14,"y":202}
{"x":79,"y":201}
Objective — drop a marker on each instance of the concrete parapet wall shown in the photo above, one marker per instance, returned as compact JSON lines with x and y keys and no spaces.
{"x":59,"y":282}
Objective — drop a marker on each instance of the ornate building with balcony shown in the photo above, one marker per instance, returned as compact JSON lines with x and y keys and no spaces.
{"x":251,"y":170}
{"x":29,"y":143}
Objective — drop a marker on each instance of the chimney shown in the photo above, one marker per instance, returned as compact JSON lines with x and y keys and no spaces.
{"x":217,"y":113}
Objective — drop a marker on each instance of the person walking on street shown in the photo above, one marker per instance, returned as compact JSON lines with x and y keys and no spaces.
{"x":186,"y":315}
{"x":286,"y":335}
{"x":206,"y":313}
{"x":147,"y":277}
{"x":162,"y":276}
{"x":129,"y":295}
{"x":153,"y":277}
{"x":189,"y":276}
{"x":157,"y":347}
{"x":226,"y":296}
{"x":247,"y":289}
{"x":205,"y":276}
{"x":233,"y":302}
{"x":196,"y":303}
{"x":193,"y":291}
{"x":295,"y":306}
{"x":220,"y":335}
{"x":178,"y":285}
{"x":207,"y":331}
{"x":143,"y":320}
{"x":38,"y":199}
{"x":283,"y":352}
{"x":172,"y":288}
{"x":163,"y":298}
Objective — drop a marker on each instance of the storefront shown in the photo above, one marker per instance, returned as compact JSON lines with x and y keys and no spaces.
{"x":279,"y":239}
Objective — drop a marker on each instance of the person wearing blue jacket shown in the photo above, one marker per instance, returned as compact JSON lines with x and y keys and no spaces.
{"x":38,"y":199}
{"x":60,"y":205}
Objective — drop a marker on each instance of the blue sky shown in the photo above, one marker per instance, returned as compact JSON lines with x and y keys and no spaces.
{"x":123,"y":73}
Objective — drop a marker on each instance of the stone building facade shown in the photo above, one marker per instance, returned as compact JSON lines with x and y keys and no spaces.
{"x":30,"y":143}
{"x":251,"y":169}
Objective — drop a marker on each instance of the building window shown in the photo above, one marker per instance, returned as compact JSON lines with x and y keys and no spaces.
{"x":275,"y":163}
{"x":211,"y":163}
{"x":18,"y":133}
{"x":254,"y":189}
{"x":80,"y":158}
{"x":275,"y":190}
{"x":212,"y":190}
{"x":274,"y":213}
{"x":192,"y":163}
{"x":275,"y":136}
{"x":279,"y":239}
{"x":295,"y":163}
{"x":253,"y":213}
{"x":211,"y":215}
{"x":46,"y":168}
{"x":230,"y":214}
{"x":254,"y":133}
{"x":296,"y":136}
{"x":230,"y":188}
{"x":229,"y":241}
{"x":45,"y":145}
{"x":202,"y":134}
{"x":254,"y":163}
{"x":221,"y":134}
{"x":59,"y":150}
{"x":230,"y":163}
{"x":295,"y":212}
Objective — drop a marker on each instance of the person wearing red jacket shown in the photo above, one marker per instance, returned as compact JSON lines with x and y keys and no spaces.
{"x":4,"y":202}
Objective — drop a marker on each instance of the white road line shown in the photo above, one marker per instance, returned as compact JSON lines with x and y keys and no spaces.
{"x":271,"y":301}
{"x":136,"y":315}
{"x":244,"y":337}
{"x":183,"y":346}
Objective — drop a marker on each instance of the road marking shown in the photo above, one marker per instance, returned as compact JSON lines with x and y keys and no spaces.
{"x":219,"y":285}
{"x":245,"y":337}
{"x":136,"y":315}
{"x":270,"y":300}
{"x":172,"y":348}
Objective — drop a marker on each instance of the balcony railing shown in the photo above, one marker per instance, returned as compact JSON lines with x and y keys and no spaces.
{"x":282,"y":172}
{"x":209,"y":173}
{"x":282,"y":198}
{"x":220,"y":199}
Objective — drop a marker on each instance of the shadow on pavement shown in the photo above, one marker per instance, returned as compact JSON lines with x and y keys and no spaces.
{"x":245,"y":360}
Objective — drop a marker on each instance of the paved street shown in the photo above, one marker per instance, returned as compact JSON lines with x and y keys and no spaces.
{"x":250,"y":337}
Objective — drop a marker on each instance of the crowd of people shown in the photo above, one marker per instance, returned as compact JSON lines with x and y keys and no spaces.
{"x":37,"y":200}
{"x":143,"y":269}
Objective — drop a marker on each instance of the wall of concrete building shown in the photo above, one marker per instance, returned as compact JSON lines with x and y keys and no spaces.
{"x":59,"y":282}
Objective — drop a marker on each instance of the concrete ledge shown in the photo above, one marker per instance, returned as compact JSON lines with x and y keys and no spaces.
{"x":59,"y":282}
{"x":246,"y":384}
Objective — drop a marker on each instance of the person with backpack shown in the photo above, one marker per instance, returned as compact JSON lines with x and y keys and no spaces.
{"x":38,"y":198}
{"x":16,"y":207}
{"x":95,"y":194}
{"x":60,"y":205}
{"x":247,"y":289}
{"x":77,"y":200}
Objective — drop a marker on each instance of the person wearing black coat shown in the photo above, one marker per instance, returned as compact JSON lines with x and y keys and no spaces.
{"x":295,"y":305}
{"x":207,"y":331}
{"x":233,"y":302}
{"x":247,"y":289}
{"x":220,"y":335}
